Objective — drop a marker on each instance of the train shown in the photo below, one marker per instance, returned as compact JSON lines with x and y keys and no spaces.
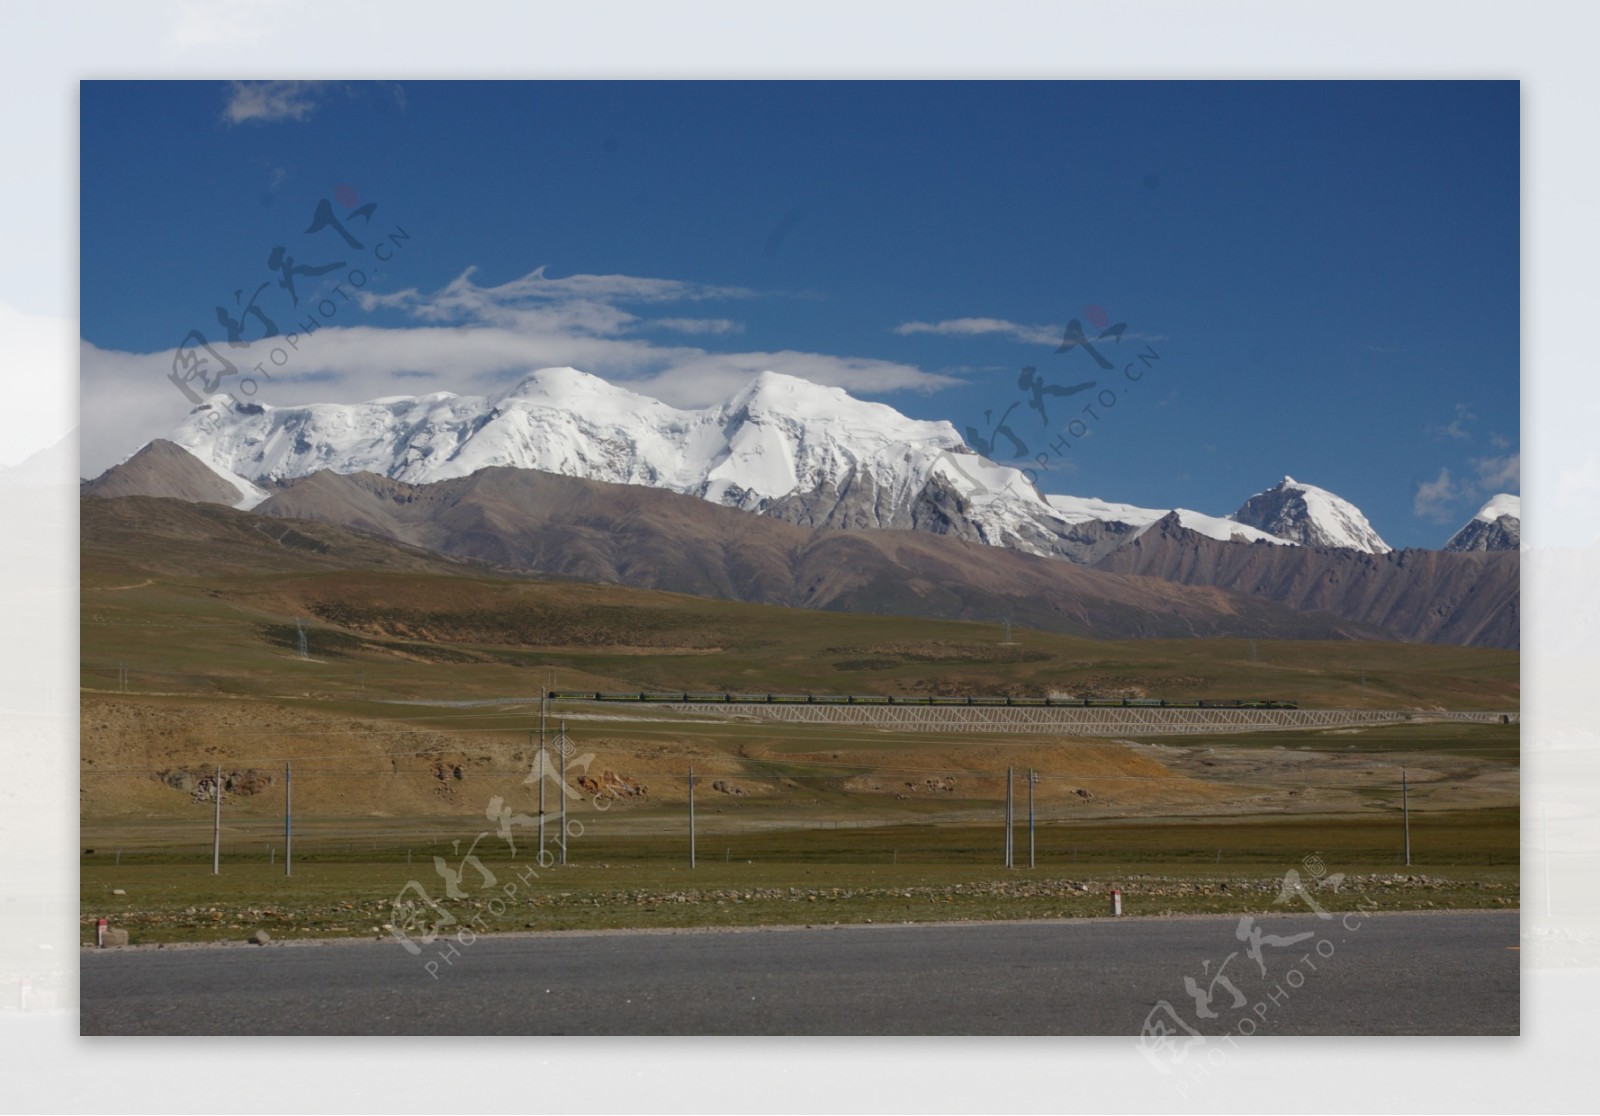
{"x":684,"y":697}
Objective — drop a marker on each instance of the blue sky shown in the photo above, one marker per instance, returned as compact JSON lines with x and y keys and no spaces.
{"x":1329,"y":272}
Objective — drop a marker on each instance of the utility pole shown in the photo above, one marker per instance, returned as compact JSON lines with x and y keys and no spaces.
{"x":216,"y":826}
{"x":288,"y":819}
{"x":1405,"y":809}
{"x":1010,"y":814}
{"x":561,"y":746}
{"x":541,"y":770}
{"x":691,"y":816}
{"x":1030,"y":817}
{"x":544,"y":709}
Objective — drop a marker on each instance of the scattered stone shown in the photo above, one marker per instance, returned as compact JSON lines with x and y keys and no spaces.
{"x":261,"y":937}
{"x":115,"y":937}
{"x":118,"y":891}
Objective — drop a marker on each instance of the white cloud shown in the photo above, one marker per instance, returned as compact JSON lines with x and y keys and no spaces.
{"x":1435,"y":499}
{"x":127,"y":399}
{"x":698,"y":325}
{"x":1439,"y":499}
{"x":1499,"y":474}
{"x":582,"y":302}
{"x":975,"y":327}
{"x":474,"y":340}
{"x":267,"y":101}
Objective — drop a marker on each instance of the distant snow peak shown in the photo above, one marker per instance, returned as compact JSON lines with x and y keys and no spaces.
{"x":1304,"y":513}
{"x":1497,"y":526}
{"x":1504,"y":504}
{"x":1078,"y":509}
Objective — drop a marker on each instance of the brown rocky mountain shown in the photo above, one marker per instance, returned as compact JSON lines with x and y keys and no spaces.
{"x":530,"y":520}
{"x":632,"y":535}
{"x":1433,"y":596}
{"x":163,"y":469}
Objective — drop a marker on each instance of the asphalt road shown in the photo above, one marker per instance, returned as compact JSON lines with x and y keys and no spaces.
{"x":1391,"y":974}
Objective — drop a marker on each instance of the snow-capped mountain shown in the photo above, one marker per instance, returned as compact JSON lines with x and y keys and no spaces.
{"x":1497,"y":526}
{"x":1078,"y":509}
{"x":780,"y":446}
{"x":1304,"y":513}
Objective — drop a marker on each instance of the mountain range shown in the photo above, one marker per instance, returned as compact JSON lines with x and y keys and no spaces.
{"x":555,"y":472}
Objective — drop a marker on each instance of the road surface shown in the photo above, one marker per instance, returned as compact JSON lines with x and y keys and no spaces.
{"x":1358,"y":974}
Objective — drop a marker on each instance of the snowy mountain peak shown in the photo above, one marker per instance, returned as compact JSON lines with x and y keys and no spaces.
{"x":1497,"y":526}
{"x":1304,"y":513}
{"x":1078,"y":509}
{"x":1504,"y":504}
{"x":779,"y":445}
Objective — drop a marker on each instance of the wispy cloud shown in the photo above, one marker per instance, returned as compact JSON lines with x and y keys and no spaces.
{"x":1456,"y":428}
{"x":1051,"y":335}
{"x":470,"y":339}
{"x":267,"y":101}
{"x":978,"y":327}
{"x":1435,"y":500}
{"x":1499,"y":474}
{"x":698,"y":325}
{"x":590,"y":303}
{"x":1446,"y":497}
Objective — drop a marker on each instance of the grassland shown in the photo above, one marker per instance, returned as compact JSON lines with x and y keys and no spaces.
{"x":892,"y":874}
{"x":797,"y":823}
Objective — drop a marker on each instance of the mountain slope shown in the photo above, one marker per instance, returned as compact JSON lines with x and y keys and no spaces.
{"x":1304,"y":513}
{"x":1422,"y":595}
{"x":633,"y":535}
{"x":1497,"y":526}
{"x":164,"y":469}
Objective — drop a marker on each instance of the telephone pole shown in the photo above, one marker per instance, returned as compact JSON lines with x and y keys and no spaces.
{"x":1030,"y":817}
{"x":1010,"y":814}
{"x":288,"y":819}
{"x":216,"y":826}
{"x":544,"y":709}
{"x":561,"y":746}
{"x":540,"y":768}
{"x":1405,"y":809}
